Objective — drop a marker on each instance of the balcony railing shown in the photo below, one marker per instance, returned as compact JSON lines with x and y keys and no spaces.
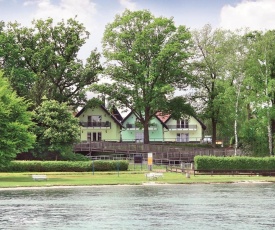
{"x":134,"y":126}
{"x":106,"y":124}
{"x":182,"y":127}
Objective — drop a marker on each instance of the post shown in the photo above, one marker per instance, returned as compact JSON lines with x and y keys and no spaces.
{"x":150,"y":161}
{"x":93,"y":167}
{"x":117,"y":165}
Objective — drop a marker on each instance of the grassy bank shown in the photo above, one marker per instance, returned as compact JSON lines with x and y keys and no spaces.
{"x":114,"y":178}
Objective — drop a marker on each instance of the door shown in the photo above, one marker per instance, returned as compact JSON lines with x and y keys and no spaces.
{"x":89,"y":137}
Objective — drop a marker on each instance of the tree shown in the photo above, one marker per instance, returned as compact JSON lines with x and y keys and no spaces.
{"x":57,"y":129}
{"x":236,"y":93}
{"x":212,"y":49}
{"x":15,"y":123}
{"x":42,"y":61}
{"x":260,"y":73}
{"x":147,"y":57}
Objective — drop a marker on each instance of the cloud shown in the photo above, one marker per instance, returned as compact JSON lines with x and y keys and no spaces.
{"x":256,"y":15}
{"x":84,"y":9}
{"x":85,"y":12}
{"x":128,"y":4}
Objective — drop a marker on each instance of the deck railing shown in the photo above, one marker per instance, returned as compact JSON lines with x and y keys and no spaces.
{"x":106,"y":124}
{"x":160,"y":151}
{"x":185,"y":127}
{"x":134,"y":126}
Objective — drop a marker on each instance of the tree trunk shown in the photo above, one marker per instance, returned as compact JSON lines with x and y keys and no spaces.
{"x":146,"y":133}
{"x":272,"y":133}
{"x":236,"y":121}
{"x":146,"y":126}
{"x":270,"y":139}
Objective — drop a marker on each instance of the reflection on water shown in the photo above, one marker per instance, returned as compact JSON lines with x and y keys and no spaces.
{"x":219,"y":206}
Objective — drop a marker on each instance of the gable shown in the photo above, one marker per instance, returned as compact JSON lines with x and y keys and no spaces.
{"x":165,"y":118}
{"x":131,"y":118}
{"x":97,"y":111}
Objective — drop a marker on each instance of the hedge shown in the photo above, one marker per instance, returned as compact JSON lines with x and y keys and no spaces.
{"x":64,"y":166}
{"x":234,"y":163}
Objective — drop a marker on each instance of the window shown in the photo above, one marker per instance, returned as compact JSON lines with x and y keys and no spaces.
{"x":94,"y":120}
{"x":97,"y":136}
{"x":183,"y":123}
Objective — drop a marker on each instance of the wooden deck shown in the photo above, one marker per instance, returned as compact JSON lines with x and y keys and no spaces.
{"x":163,"y":153}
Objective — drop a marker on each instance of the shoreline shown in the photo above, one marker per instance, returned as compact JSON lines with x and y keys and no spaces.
{"x":121,"y":185}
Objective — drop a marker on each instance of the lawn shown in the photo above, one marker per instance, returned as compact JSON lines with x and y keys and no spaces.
{"x":117,"y":178}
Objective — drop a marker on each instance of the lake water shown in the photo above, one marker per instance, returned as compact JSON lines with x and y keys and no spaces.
{"x":205,"y":206}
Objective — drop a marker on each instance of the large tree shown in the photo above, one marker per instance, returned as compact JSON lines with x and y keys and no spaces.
{"x":15,"y":123}
{"x":41,"y":60}
{"x":213,"y":50}
{"x":147,"y":57}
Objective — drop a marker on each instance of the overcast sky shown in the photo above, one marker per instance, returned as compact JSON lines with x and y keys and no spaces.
{"x":95,"y":14}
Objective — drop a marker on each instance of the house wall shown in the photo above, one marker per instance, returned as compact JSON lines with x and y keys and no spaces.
{"x":194,"y":135}
{"x":155,"y":134}
{"x":107,"y":134}
{"x":127,"y":134}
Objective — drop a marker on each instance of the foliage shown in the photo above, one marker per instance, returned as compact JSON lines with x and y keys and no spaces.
{"x":56,"y":129}
{"x":42,"y":60}
{"x":178,"y":107}
{"x":213,"y":54}
{"x":147,"y":57}
{"x":15,"y":124}
{"x":254,"y":139}
{"x":64,"y":166}
{"x":260,"y":79}
{"x":234,"y":163}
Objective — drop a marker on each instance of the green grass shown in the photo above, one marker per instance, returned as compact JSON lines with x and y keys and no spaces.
{"x":114,"y":178}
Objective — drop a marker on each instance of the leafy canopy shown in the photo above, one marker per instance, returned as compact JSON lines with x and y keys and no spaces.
{"x":15,"y":123}
{"x":41,"y":60}
{"x":147,"y":57}
{"x":57,"y":129}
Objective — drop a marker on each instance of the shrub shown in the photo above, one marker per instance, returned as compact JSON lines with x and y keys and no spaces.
{"x":64,"y":166}
{"x":234,"y":163}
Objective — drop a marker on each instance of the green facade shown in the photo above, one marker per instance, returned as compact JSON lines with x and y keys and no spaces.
{"x":132,"y":133}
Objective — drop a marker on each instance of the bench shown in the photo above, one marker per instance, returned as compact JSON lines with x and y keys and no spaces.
{"x":39,"y":177}
{"x":152,"y":176}
{"x":235,"y":172}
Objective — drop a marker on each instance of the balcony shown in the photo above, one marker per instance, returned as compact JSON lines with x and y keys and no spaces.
{"x":182,"y":127}
{"x":135,"y":127}
{"x":106,"y":124}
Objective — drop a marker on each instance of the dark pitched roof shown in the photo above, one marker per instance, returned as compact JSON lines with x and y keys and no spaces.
{"x":116,"y":113}
{"x":105,"y":110}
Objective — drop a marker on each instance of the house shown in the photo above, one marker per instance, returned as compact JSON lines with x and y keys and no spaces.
{"x":132,"y":132}
{"x":187,"y":129}
{"x":98,"y":124}
{"x":163,"y":128}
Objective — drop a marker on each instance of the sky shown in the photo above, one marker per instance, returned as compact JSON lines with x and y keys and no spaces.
{"x":96,"y":14}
